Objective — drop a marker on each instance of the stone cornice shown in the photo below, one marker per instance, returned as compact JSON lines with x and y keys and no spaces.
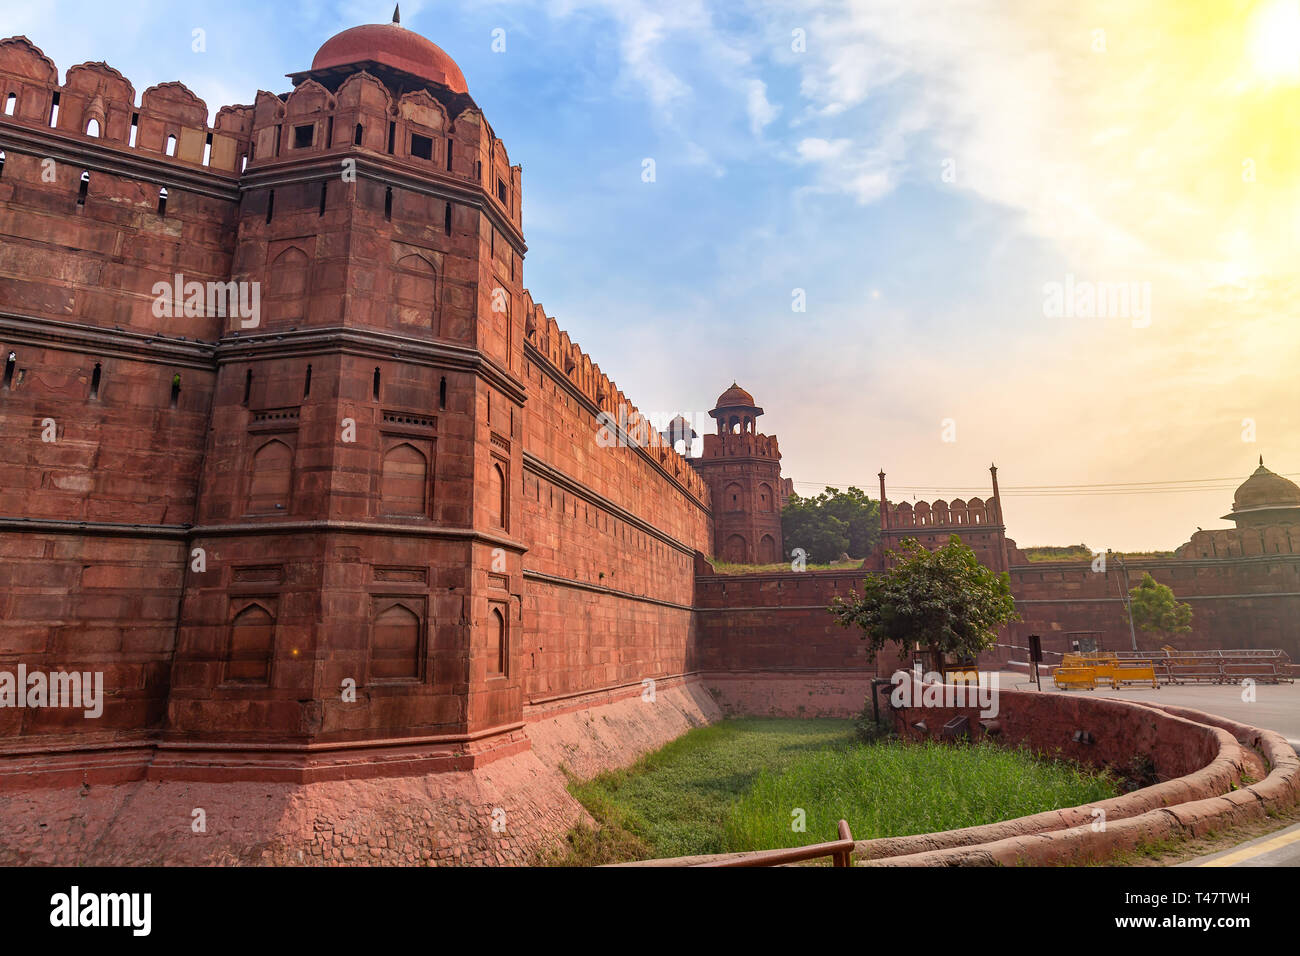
{"x":375,"y":344}
{"x":18,"y":329}
{"x":601,"y":589}
{"x":556,"y":477}
{"x":176,"y":532}
{"x":99,"y":156}
{"x":326,"y":167}
{"x":542,"y":362}
{"x":327,"y":526}
{"x":173,"y":532}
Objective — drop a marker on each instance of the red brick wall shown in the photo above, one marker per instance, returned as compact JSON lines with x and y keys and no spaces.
{"x":93,"y":523}
{"x":611,"y":535}
{"x":778,"y":622}
{"x":1236,"y":602}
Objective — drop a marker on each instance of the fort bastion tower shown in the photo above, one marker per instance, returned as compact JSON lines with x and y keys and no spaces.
{"x":323,"y":489}
{"x":381,"y":218}
{"x":743,"y":470}
{"x":291,"y":456}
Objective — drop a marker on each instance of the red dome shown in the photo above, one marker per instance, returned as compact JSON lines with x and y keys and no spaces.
{"x":393,"y":46}
{"x":735,"y":397}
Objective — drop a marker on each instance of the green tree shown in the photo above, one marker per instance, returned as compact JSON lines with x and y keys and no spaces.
{"x":945,"y":601}
{"x":1156,"y":610}
{"x":832,"y":523}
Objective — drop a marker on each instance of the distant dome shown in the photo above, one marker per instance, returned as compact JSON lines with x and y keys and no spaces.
{"x":393,"y":46}
{"x":1266,"y":489}
{"x":735,"y":396}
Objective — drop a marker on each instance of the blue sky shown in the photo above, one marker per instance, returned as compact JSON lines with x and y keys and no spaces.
{"x":822,"y":169}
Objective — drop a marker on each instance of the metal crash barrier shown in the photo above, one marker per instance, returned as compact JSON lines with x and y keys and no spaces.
{"x":1167,"y":666}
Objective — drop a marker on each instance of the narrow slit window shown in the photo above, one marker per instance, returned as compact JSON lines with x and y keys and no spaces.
{"x":306,"y":385}
{"x":135,"y":128}
{"x":243,"y":162}
{"x":324,"y":193}
{"x":207,"y":151}
{"x":356,"y":135}
{"x":375,"y":384}
{"x":248,"y":385}
{"x":446,"y":220}
{"x":392,"y":136}
{"x":502,"y":193}
{"x":388,"y":203}
{"x":92,"y":128}
{"x":329,"y":133}
{"x":270,"y":205}
{"x":171,"y":145}
{"x":94,"y":382}
{"x":2,"y":162}
{"x":162,"y":201}
{"x":54,"y":110}
{"x":11,"y":104}
{"x":448,"y":154}
{"x":442,"y":393}
{"x":176,"y":389}
{"x":84,"y":190}
{"x":278,"y":131}
{"x":10,"y":364}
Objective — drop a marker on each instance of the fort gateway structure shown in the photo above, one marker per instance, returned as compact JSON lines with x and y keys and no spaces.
{"x":293,"y":459}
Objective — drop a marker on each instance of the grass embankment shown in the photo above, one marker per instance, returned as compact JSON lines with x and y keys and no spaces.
{"x":1081,"y":552}
{"x":741,"y":784}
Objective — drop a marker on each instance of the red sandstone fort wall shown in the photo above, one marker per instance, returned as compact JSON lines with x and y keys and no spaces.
{"x":778,"y":622}
{"x":105,"y":416}
{"x":611,"y":532}
{"x":1236,"y":603}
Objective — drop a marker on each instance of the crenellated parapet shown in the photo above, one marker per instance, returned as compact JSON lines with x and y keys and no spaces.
{"x":96,"y":105}
{"x":553,"y":345}
{"x":743,"y":445}
{"x":943,"y":514}
{"x":428,"y":131}
{"x":1242,"y":542}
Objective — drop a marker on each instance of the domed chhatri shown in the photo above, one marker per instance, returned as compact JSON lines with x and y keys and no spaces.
{"x":736,"y":411}
{"x":393,"y":46}
{"x":735,"y":397}
{"x":1265,"y":498}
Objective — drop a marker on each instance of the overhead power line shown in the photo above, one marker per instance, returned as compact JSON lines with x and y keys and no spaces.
{"x":1046,"y":491}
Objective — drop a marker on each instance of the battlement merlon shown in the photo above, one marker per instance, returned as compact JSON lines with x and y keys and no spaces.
{"x":546,"y":342}
{"x":96,"y":107}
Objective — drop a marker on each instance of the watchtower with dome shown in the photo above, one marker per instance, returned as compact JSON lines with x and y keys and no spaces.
{"x":743,"y":471}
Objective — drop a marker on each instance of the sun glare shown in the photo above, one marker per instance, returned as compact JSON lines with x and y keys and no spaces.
{"x":1274,"y":38}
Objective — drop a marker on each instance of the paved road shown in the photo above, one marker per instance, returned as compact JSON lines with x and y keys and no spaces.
{"x":1275,"y":849}
{"x":1276,"y":706}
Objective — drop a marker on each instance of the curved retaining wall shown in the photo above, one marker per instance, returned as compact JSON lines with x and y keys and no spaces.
{"x":1214,"y":773}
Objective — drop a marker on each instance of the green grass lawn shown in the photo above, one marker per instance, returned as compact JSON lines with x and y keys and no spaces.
{"x":737,"y":786}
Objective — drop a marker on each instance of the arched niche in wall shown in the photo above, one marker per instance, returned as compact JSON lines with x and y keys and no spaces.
{"x":404,"y":481}
{"x":287,"y":284}
{"x":270,"y":479}
{"x":413,"y":289}
{"x":396,"y":649}
{"x":252,"y":639}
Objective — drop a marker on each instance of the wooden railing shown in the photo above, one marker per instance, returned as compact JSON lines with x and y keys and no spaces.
{"x":841,"y":851}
